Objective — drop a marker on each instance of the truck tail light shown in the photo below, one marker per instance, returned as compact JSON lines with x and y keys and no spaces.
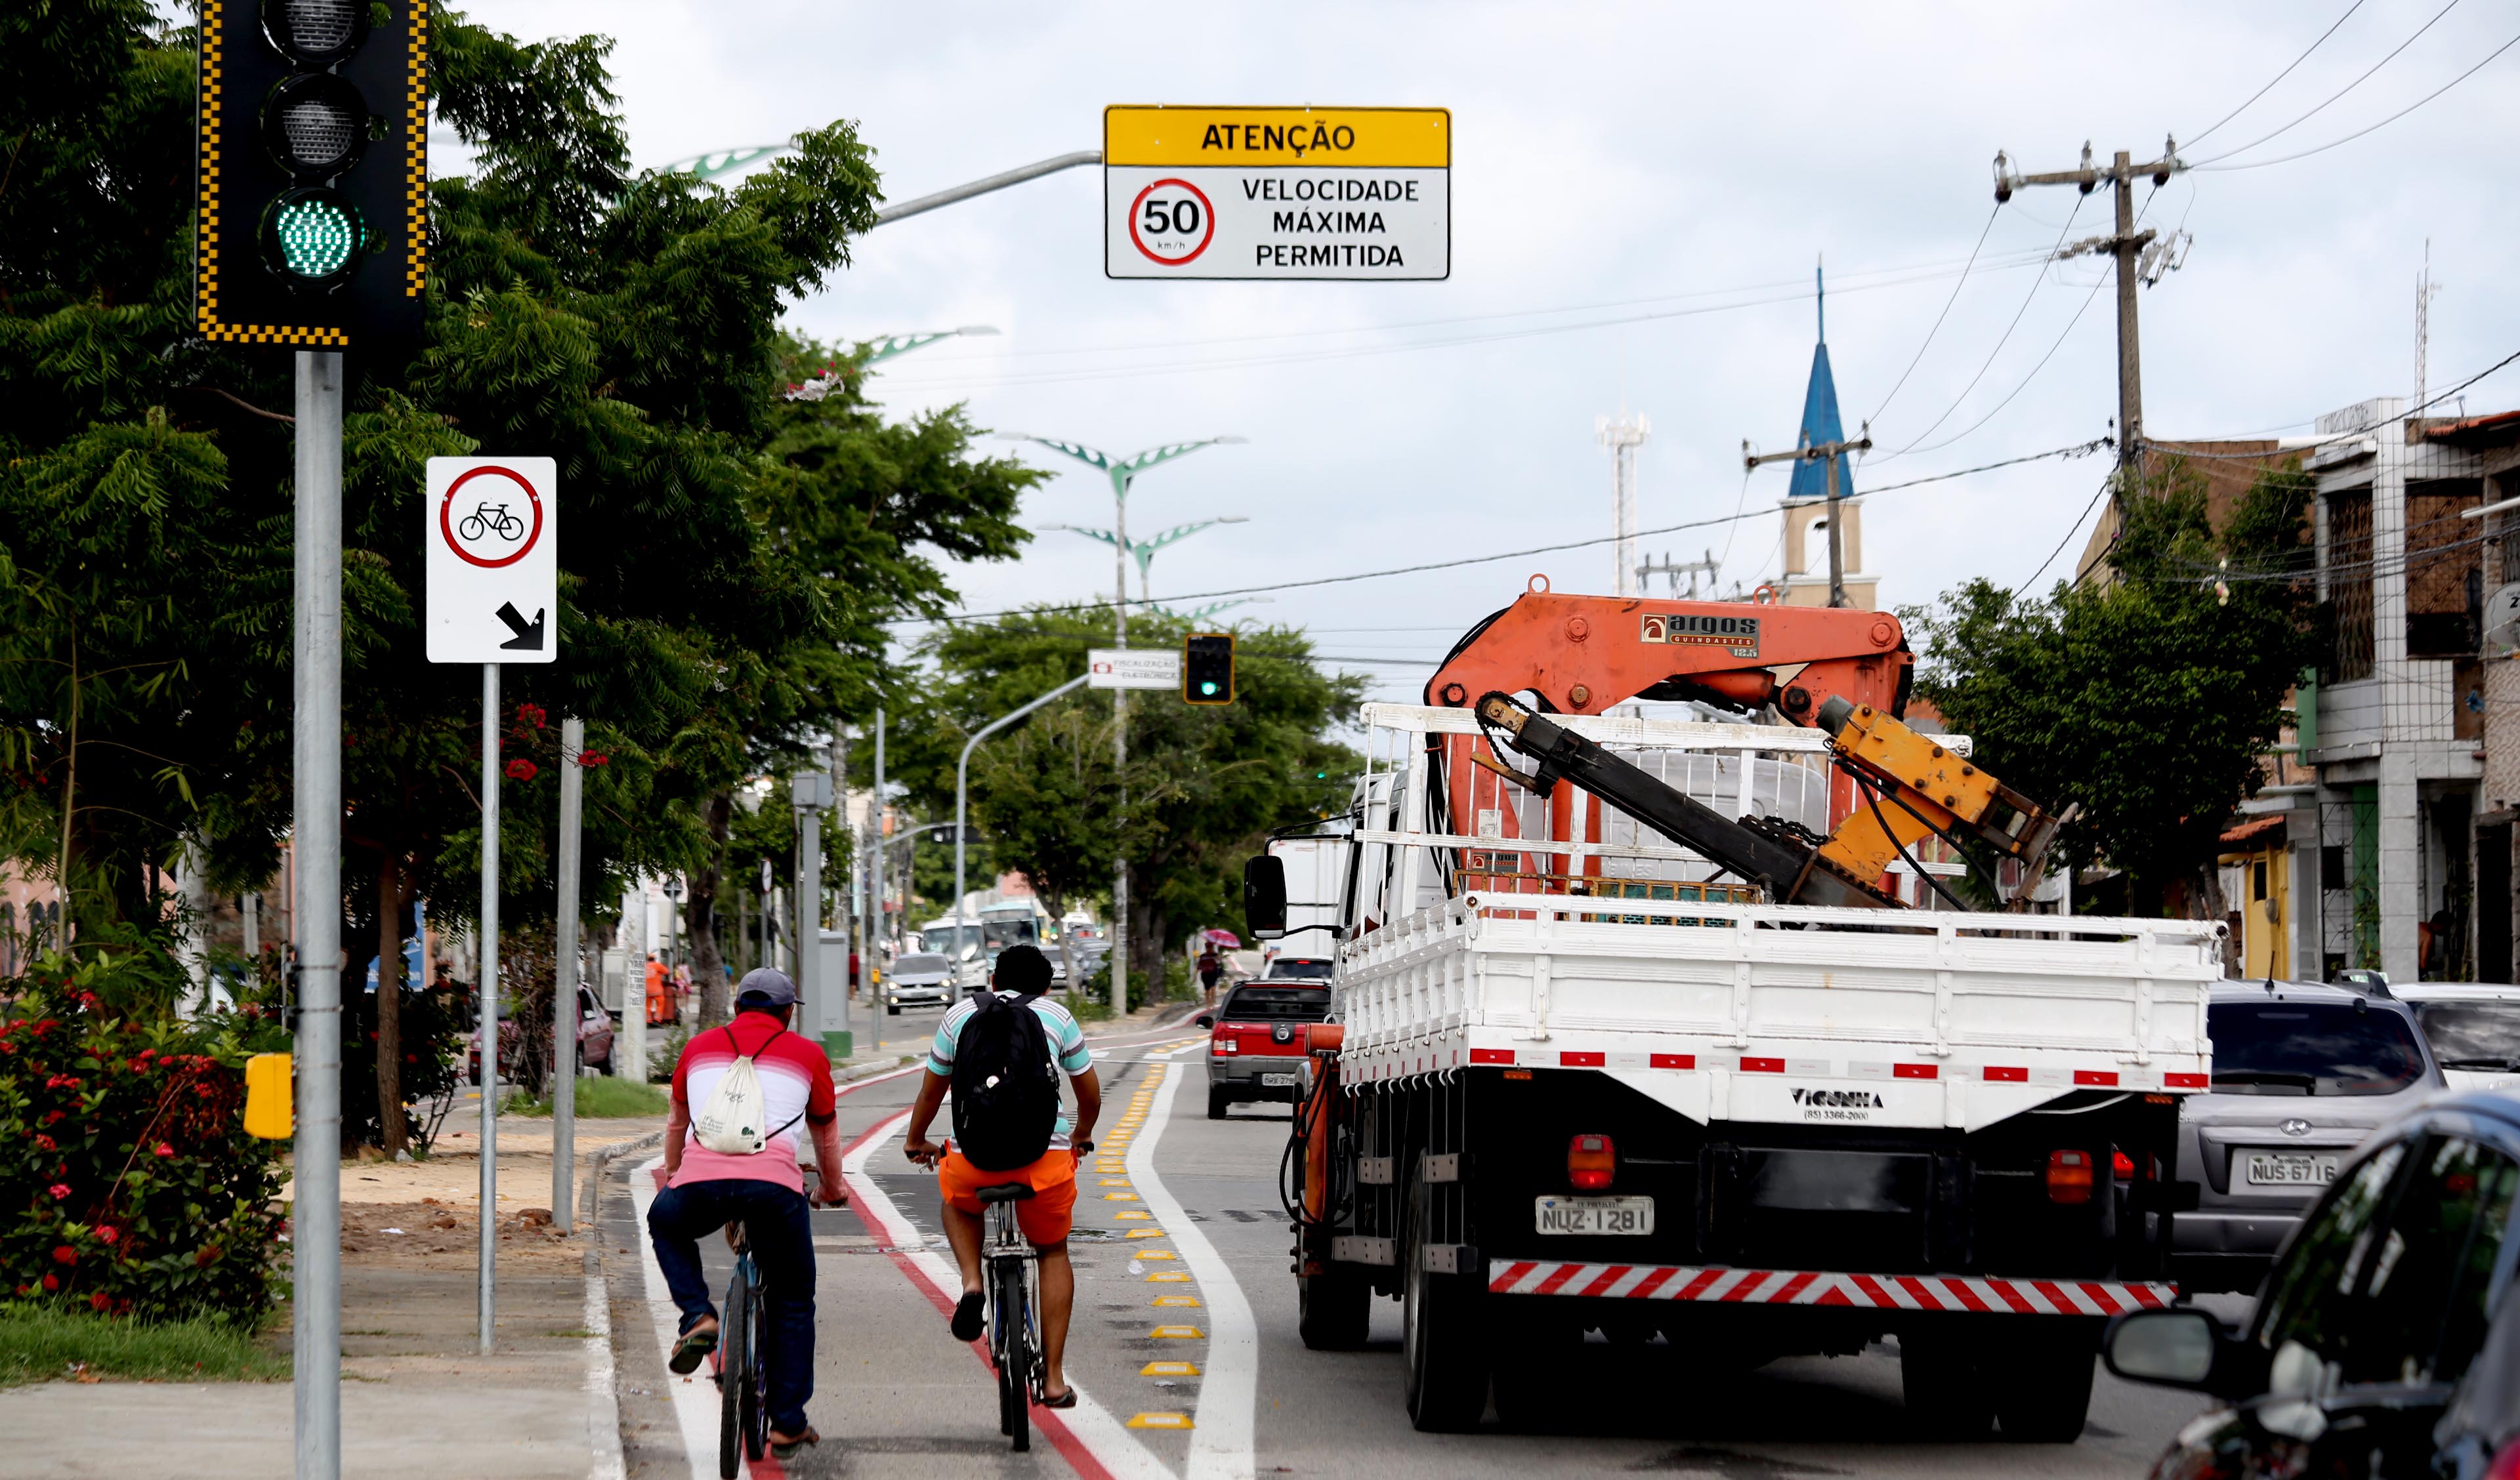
{"x":1590,"y":1162}
{"x":2069,"y":1177}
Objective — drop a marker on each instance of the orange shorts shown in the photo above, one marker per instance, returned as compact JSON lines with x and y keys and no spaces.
{"x":1044,"y":1217}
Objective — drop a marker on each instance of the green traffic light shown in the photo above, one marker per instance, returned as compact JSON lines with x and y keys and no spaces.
{"x":316,"y":237}
{"x":1208,"y":688}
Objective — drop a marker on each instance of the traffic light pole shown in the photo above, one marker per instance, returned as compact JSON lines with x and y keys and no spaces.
{"x":315,"y":1217}
{"x":487,"y":989}
{"x":573,"y":810}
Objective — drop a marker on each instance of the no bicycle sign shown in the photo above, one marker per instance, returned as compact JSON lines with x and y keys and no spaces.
{"x":1278,"y":192}
{"x":492,"y":529}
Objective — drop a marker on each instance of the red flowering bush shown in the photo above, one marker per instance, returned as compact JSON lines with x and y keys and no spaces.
{"x":127,"y":1184}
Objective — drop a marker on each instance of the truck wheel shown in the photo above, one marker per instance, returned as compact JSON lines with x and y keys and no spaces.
{"x":1944,"y":1387}
{"x":1332,"y":1309}
{"x":1443,"y":1353}
{"x":2042,"y":1391}
{"x":1217,"y":1100}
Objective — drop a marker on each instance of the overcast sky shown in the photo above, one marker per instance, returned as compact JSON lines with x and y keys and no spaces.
{"x":1676,"y":169}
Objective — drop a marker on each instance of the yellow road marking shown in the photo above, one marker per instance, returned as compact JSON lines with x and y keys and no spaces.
{"x":1168,"y":1277}
{"x":1133,"y":1215}
{"x":1154,"y":1254}
{"x":1142,"y":1232}
{"x":1113,"y":1182}
{"x":1119,"y":1198}
{"x":1177,"y":1302}
{"x":1178,"y":1333}
{"x":1160,"y":1420}
{"x":1169,"y":1369}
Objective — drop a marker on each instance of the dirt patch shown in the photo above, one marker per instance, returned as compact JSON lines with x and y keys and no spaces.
{"x":434,"y":1236}
{"x":454,"y":1173}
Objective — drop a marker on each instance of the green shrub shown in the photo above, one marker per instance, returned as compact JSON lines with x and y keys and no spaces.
{"x":605,"y":1099}
{"x":127,"y":1184}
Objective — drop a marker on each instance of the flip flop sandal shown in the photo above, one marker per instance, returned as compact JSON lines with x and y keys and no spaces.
{"x":969,"y":1316}
{"x":784,"y":1449}
{"x":1065,"y":1400}
{"x":692,"y":1350}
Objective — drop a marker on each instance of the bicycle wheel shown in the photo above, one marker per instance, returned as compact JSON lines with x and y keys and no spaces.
{"x":734,"y":1368}
{"x":471,"y":527}
{"x":756,"y":1373}
{"x":1012,"y":1346}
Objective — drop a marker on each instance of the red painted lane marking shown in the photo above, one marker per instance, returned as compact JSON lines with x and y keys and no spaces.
{"x":1915,"y":1071}
{"x":1072,"y":1449}
{"x":1763,"y":1066}
{"x":1673,"y":1060}
{"x":2003,"y":1074}
{"x":1575,"y":1060}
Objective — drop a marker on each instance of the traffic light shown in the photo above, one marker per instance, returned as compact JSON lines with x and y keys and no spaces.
{"x":1207,"y":668}
{"x":311,"y":204}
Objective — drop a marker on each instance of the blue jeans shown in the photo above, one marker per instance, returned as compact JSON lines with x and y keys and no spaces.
{"x":781,"y":1239}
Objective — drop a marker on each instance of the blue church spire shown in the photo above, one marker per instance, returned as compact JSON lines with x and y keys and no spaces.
{"x":1820,"y":412}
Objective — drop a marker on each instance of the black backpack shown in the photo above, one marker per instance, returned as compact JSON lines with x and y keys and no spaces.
{"x":1005,"y":1088}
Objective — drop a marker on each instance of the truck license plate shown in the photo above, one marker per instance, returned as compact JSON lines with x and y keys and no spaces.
{"x":1592,"y":1215}
{"x":1278,"y":1081}
{"x":2286,"y":1169}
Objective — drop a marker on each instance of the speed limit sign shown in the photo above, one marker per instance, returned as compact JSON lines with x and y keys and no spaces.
{"x":1172,"y":222}
{"x":1286,"y":193}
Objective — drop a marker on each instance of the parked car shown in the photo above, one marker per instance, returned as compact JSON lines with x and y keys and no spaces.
{"x":593,"y":1039}
{"x":2376,"y":1351}
{"x":917,"y":978}
{"x":1260,"y":1035}
{"x":1296,"y":968}
{"x":2302,"y":1074}
{"x":2472,"y":1029}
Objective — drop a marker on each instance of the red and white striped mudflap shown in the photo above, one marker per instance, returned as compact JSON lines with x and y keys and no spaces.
{"x":1975,"y":1295}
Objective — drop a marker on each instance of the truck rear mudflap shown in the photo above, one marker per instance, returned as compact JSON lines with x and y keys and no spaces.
{"x":1939,"y":1293}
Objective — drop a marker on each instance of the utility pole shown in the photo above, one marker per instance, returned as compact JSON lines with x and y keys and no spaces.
{"x":565,"y":1012}
{"x":2120,"y":175}
{"x":1827,"y":454}
{"x":1623,"y":434}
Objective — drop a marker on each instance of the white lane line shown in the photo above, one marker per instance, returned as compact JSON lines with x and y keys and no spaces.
{"x":695,"y":1400}
{"x":1220,"y":1442}
{"x":1114,"y":1444}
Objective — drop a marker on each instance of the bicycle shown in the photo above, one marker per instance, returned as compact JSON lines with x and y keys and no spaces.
{"x":743,"y":1411}
{"x":489,"y":518}
{"x":1013,"y":1284}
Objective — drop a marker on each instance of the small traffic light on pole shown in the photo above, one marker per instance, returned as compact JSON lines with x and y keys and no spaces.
{"x":311,"y":210}
{"x":1207,"y":668}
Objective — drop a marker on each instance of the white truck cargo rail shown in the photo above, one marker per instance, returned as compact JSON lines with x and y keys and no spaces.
{"x":1755,"y":1012}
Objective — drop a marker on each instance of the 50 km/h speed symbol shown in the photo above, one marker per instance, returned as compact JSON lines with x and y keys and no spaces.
{"x":1172,"y":222}
{"x":492,"y":529}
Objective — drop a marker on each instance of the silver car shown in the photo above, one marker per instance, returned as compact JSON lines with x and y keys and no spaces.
{"x":2302,"y":1074}
{"x":918,"y":978}
{"x":2473,"y":1029}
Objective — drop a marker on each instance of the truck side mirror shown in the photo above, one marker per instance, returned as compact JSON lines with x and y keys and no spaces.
{"x":1264,"y":896}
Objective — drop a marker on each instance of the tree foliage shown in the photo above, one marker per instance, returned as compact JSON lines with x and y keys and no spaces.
{"x":2149,"y":698}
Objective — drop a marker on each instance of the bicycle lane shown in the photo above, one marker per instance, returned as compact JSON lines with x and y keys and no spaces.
{"x":892,"y":1396}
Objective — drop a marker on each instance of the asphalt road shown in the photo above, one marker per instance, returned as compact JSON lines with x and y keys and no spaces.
{"x":897,"y":1396}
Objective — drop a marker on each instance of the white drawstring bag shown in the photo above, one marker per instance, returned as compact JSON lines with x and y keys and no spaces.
{"x":732,"y":1121}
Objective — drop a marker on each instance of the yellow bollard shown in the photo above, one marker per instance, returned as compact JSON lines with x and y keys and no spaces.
{"x":268,"y":1110}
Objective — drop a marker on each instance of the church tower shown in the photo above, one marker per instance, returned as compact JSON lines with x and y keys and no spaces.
{"x":1803,"y":581}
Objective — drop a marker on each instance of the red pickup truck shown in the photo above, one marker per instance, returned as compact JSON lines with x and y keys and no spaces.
{"x":1261,"y":1033}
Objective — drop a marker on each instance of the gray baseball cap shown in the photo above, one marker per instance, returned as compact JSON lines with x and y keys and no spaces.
{"x":766,"y":988}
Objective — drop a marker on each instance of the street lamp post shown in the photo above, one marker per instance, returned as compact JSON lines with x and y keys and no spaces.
{"x":963,"y":796}
{"x":1122,"y":473}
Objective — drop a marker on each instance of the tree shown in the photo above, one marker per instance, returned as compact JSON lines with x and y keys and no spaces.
{"x":1204,"y":785}
{"x":2149,"y":698}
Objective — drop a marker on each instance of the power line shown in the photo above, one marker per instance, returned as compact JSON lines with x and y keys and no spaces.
{"x":2427,"y":404}
{"x":1945,"y":314}
{"x":2079,"y":448}
{"x":2339,"y":93}
{"x":2032,"y":376}
{"x":2069,"y":534}
{"x":2383,"y":123}
{"x":2200,"y":137}
{"x":1962,"y":397}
